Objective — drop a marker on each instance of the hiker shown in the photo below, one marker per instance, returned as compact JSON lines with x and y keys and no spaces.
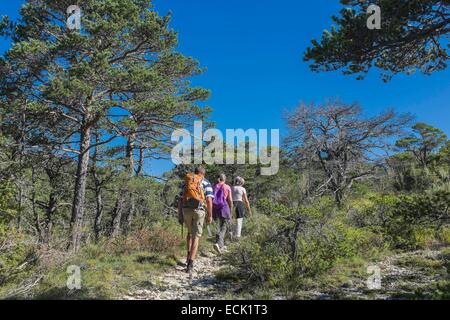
{"x":222,"y":204}
{"x":194,"y":205}
{"x":239,"y":199}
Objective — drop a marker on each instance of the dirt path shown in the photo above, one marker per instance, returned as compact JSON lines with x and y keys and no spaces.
{"x":407,"y":273}
{"x":402,"y":276}
{"x":176,"y":284}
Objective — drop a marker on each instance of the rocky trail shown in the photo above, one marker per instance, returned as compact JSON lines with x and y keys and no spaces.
{"x":402,"y":276}
{"x":176,"y":284}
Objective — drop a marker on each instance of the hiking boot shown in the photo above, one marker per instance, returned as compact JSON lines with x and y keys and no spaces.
{"x":187,"y":258}
{"x":190,"y":266}
{"x":217,"y":248}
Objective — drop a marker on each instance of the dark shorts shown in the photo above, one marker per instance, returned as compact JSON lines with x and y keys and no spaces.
{"x":240,"y":211}
{"x":222,"y":213}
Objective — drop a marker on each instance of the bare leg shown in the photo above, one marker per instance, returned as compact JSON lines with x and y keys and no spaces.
{"x":194,"y":248}
{"x":189,"y":243}
{"x":220,"y":237}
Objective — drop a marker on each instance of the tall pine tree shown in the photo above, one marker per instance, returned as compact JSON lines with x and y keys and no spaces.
{"x":122,"y":64}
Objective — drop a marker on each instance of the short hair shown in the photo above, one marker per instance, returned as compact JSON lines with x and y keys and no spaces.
{"x":239,"y":181}
{"x":200,"y":170}
{"x":222,"y":177}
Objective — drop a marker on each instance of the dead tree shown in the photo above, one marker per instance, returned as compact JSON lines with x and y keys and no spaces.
{"x":338,"y":140}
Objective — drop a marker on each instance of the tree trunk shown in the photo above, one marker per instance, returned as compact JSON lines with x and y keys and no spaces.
{"x":130,"y":156}
{"x":131,"y":211}
{"x":21,"y":166}
{"x":80,"y":189}
{"x":20,"y":205}
{"x":98,"y":214}
{"x":49,"y":211}
{"x":294,"y":237}
{"x":117,"y":215}
{"x":338,"y":196}
{"x":98,"y":194}
{"x":140,"y":165}
{"x":37,"y":222}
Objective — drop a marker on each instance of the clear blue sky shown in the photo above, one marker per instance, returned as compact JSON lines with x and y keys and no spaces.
{"x":253,"y":54}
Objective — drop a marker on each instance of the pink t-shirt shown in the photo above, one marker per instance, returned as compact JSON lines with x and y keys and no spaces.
{"x":226,"y":189}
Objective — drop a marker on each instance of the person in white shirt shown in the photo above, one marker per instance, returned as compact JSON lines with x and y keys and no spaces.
{"x":239,"y":199}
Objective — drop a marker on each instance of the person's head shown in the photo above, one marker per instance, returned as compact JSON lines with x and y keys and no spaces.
{"x":239,"y":181}
{"x":222,"y":178}
{"x":200,"y":170}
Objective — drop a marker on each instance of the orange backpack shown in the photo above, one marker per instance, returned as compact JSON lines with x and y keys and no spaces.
{"x":193,"y":192}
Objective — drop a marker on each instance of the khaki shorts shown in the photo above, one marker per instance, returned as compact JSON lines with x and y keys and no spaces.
{"x":194,"y":220}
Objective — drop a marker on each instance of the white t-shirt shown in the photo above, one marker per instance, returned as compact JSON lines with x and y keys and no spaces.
{"x":238,"y":193}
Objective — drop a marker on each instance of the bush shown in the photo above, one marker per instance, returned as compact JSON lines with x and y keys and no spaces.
{"x":373,"y":211}
{"x":408,"y":177}
{"x":364,"y":242}
{"x":407,"y":221}
{"x":414,"y":215}
{"x":17,"y":255}
{"x":290,"y":244}
{"x":7,"y":203}
{"x":159,"y":238}
{"x":110,"y":268}
{"x":422,"y":237}
{"x":444,"y":235}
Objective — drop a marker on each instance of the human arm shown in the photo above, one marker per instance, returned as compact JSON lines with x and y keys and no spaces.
{"x":230,"y":204}
{"x":209,"y":205}
{"x":180,"y":204}
{"x":180,"y":210}
{"x":230,"y":199}
{"x":209,"y":196}
{"x":247,"y":204}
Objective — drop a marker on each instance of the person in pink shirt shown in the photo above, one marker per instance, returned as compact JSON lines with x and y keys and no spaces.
{"x":222,"y":205}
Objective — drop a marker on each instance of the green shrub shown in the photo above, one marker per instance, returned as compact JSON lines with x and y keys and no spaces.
{"x":110,"y":268}
{"x":7,"y":202}
{"x":364,"y":242}
{"x":289,"y":245}
{"x":374,"y":210}
{"x":444,"y":235}
{"x":407,"y":221}
{"x":413,"y":217}
{"x":423,"y":237}
{"x":159,"y":238}
{"x":17,"y":255}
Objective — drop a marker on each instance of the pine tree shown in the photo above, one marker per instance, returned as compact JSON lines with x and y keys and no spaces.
{"x":96,"y":76}
{"x":412,"y":37}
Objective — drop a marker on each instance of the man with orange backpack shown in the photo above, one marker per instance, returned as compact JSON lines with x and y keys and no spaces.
{"x":194,"y":206}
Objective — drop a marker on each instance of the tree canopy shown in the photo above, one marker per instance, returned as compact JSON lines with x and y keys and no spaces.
{"x":413,"y":36}
{"x":423,"y":142}
{"x":120,"y":75}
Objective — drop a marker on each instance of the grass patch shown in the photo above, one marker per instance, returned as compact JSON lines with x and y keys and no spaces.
{"x":104,"y":275}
